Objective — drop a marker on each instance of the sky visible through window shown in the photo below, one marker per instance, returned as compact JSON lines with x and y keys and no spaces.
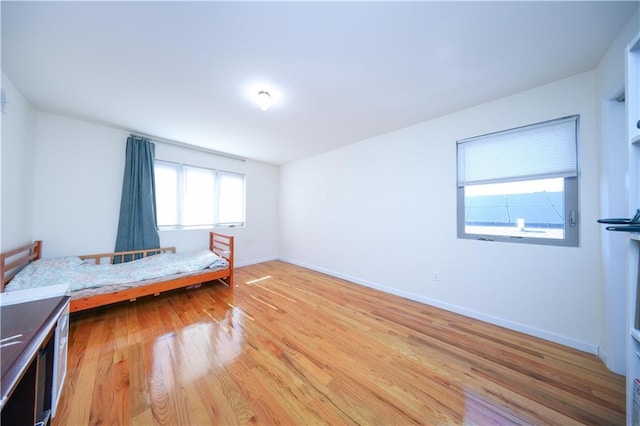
{"x":524,"y":187}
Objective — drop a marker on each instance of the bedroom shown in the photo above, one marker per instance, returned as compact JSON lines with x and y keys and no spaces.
{"x":61,"y":177}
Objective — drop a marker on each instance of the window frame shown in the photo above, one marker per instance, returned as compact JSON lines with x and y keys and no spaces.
{"x":571,"y":202}
{"x":181,"y":185}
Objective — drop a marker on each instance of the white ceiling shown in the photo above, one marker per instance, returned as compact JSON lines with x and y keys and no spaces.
{"x":340,"y":72}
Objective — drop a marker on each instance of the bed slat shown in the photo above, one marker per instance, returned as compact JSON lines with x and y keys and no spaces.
{"x":97,"y":258}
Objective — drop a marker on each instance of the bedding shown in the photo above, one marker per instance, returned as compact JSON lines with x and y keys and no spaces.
{"x":82,"y":275}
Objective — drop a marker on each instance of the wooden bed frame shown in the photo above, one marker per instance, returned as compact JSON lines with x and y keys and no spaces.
{"x":13,"y":261}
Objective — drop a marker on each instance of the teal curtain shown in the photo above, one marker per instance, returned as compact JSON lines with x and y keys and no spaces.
{"x":137,"y":227}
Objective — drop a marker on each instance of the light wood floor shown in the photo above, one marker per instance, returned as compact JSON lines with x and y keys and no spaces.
{"x":298,"y":347}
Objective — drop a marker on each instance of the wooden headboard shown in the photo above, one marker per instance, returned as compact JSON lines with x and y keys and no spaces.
{"x":222,"y":245}
{"x":13,"y":261}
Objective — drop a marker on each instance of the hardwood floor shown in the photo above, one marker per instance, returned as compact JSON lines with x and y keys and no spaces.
{"x":292,"y":346}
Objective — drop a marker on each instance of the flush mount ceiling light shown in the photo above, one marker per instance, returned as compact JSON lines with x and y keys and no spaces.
{"x":263,"y":100}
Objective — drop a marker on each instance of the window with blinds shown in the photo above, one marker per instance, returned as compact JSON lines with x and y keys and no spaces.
{"x":188,"y":196}
{"x":520,"y":185}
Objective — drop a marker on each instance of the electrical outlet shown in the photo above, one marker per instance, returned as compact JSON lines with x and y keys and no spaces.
{"x":436,"y":275}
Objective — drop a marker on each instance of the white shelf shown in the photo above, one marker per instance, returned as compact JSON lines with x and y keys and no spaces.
{"x":633,"y":115}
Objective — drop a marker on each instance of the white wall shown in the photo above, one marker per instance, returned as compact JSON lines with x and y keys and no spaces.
{"x":382,"y":213}
{"x":16,"y":213}
{"x":78,"y":183}
{"x":611,"y":69}
{"x":613,"y":201}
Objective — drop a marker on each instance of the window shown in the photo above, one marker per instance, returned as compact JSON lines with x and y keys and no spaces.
{"x":188,"y":196}
{"x":520,"y":185}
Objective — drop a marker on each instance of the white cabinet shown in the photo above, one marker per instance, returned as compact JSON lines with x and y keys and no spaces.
{"x":61,"y":337}
{"x":633,"y":281}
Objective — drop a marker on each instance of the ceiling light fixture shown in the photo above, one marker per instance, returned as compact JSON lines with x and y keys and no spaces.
{"x":264,"y":100}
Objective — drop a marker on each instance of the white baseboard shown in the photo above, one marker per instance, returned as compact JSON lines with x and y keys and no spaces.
{"x":602,"y":354}
{"x":522,"y":328}
{"x":253,"y":262}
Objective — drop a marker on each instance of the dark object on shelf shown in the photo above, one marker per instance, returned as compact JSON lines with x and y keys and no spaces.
{"x":624,"y":228}
{"x":622,"y":221}
{"x":638,"y":124}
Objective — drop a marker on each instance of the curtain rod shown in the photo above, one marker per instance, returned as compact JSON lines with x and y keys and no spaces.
{"x":188,"y":146}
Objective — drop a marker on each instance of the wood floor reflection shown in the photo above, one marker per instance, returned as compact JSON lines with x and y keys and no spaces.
{"x":292,"y":346}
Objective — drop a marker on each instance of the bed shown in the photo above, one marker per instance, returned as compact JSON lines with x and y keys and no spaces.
{"x":121,"y":275}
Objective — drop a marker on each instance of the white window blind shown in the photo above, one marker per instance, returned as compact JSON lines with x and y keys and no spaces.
{"x":545,"y":150}
{"x":198,"y":196}
{"x":231,"y":198}
{"x":167,"y":176}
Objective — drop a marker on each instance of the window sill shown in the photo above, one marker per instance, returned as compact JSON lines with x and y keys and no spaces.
{"x":195,"y":228}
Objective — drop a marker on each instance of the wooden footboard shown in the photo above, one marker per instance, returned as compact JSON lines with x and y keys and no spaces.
{"x":223,"y":245}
